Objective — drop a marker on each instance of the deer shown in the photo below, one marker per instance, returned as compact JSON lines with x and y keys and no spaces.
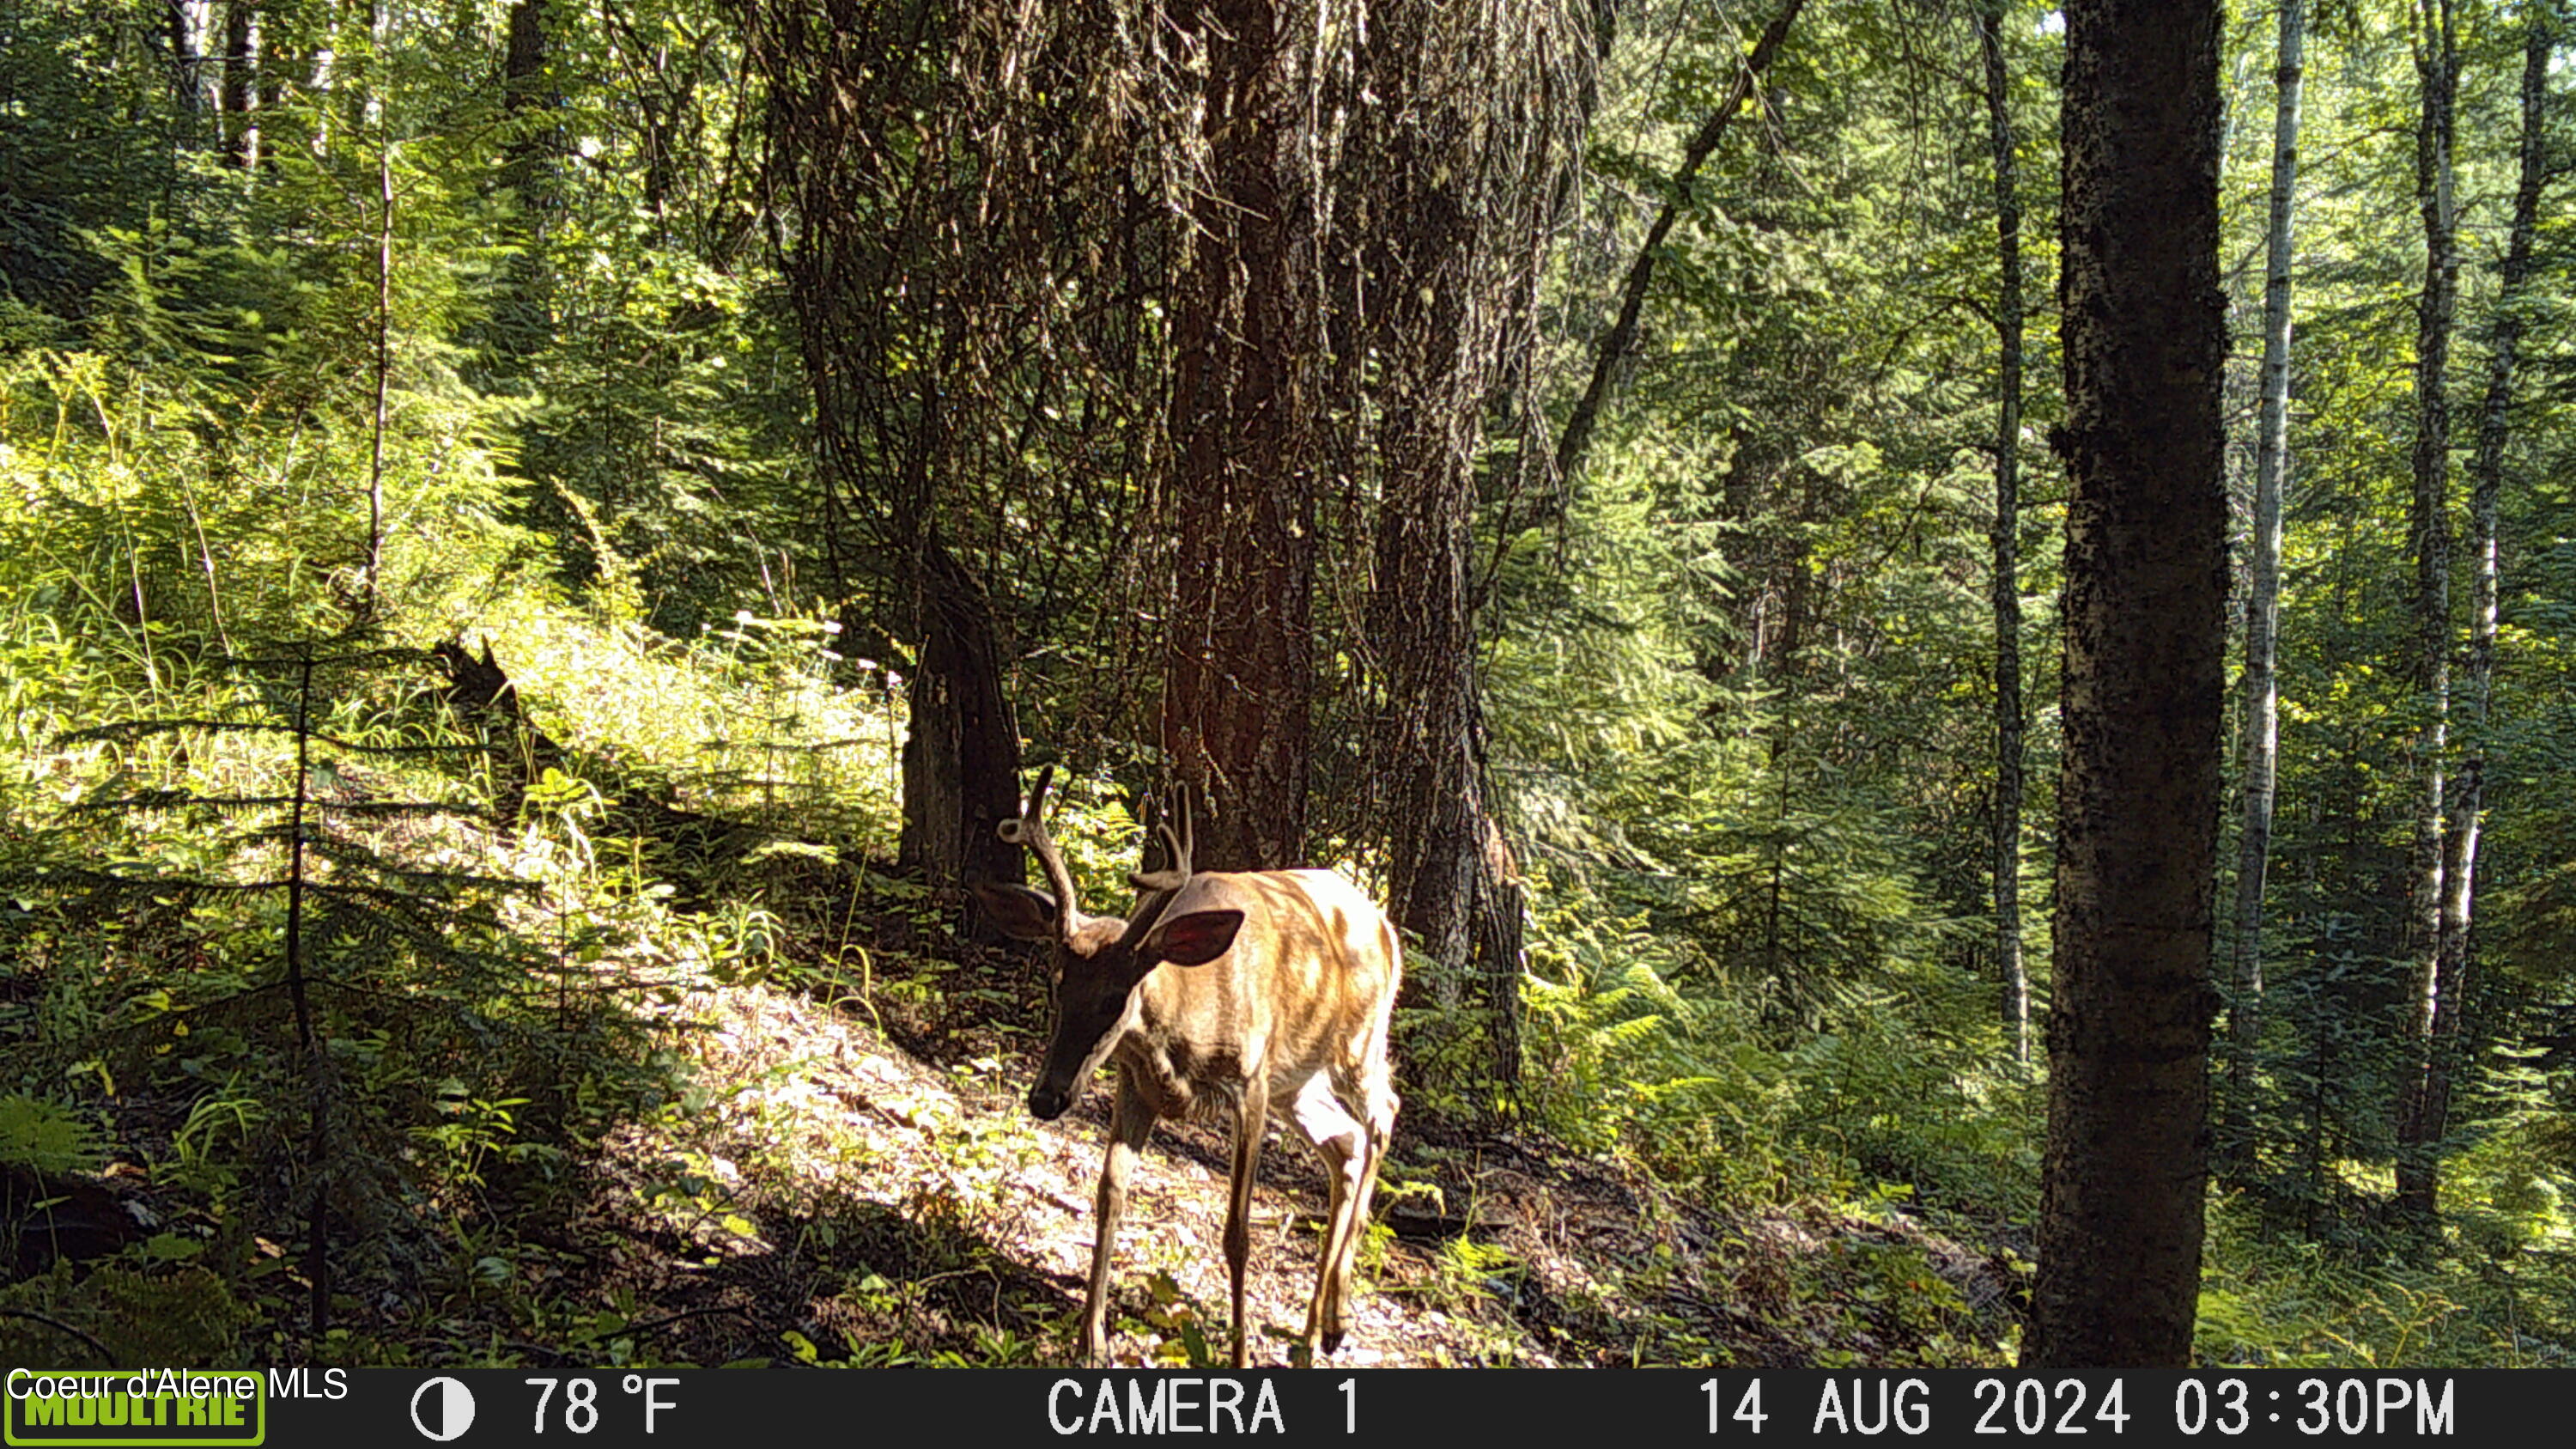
{"x":1255,"y":990}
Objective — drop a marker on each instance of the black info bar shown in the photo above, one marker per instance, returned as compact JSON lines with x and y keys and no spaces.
{"x":1418,"y":1408}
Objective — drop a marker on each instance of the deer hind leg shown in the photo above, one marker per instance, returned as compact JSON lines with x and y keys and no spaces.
{"x":1342,"y":1142}
{"x":1131,"y":1121}
{"x":1251,"y":1122}
{"x":1379,"y":1089}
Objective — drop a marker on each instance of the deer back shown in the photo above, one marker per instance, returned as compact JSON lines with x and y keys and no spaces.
{"x":1304,"y":987}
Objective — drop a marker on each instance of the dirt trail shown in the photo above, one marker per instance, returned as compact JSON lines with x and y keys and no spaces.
{"x":890,"y":1210}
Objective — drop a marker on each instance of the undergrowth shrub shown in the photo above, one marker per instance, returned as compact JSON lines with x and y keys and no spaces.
{"x":1648,"y":1054}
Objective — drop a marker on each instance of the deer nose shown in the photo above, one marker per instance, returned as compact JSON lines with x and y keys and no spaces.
{"x":1048,"y":1103}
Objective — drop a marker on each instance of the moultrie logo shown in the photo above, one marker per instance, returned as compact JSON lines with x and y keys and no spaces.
{"x":51,"y":1407}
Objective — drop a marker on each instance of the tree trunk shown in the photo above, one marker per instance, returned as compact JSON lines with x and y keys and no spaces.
{"x":1461,"y":209}
{"x":2262,"y":738}
{"x":2006,"y":572}
{"x":384,"y":372}
{"x":379,"y":70}
{"x":1576,"y":441}
{"x":2144,"y":332}
{"x":523,"y":91}
{"x":886,"y":320}
{"x":1239,"y":681}
{"x":2437,"y":68}
{"x":241,"y":84}
{"x":522,"y":322}
{"x":2442,"y":1055}
{"x":961,"y":757}
{"x":321,"y":76}
{"x":192,"y":33}
{"x":1450,"y":885}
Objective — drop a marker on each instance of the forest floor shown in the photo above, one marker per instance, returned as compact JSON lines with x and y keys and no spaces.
{"x":876,"y":1190}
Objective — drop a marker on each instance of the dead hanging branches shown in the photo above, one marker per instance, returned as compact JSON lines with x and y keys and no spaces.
{"x":972,"y":210}
{"x":974,"y":204}
{"x":1357,"y":292}
{"x":1195,"y":310}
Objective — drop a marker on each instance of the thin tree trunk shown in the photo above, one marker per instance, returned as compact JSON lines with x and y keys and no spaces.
{"x":321,"y":76}
{"x":380,"y":19}
{"x":308,"y":1037}
{"x":2437,"y":68}
{"x":2486,"y":475}
{"x":241,"y":83}
{"x":192,"y":34}
{"x":2262,"y":739}
{"x":1577,"y":438}
{"x":2144,"y":333}
{"x":2005,"y":578}
{"x":384,"y":371}
{"x":522,"y":320}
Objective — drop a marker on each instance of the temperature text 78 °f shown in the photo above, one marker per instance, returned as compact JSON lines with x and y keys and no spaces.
{"x":579,"y":1411}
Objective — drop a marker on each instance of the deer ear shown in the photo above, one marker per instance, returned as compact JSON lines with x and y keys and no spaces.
{"x":1194,"y":939}
{"x":1023,"y":914}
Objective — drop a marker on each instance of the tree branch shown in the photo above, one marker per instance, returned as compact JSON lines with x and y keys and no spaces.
{"x":1577,"y":439}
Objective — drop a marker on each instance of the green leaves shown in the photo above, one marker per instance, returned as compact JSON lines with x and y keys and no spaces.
{"x":37,"y":1135}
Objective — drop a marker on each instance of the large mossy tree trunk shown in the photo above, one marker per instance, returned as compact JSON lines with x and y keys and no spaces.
{"x":1238,"y":677}
{"x":2144,"y":332}
{"x":1460,"y":207}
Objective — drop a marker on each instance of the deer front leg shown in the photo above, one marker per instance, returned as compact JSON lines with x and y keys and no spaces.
{"x":1251,"y":1122}
{"x":1131,"y":1121}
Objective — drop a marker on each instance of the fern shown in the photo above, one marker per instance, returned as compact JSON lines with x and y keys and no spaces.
{"x":44,"y":1137}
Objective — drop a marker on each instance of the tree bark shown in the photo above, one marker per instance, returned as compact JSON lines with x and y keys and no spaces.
{"x":2144,"y":337}
{"x":1577,"y":437}
{"x":2005,"y":580}
{"x":1462,"y":209}
{"x":192,"y":33}
{"x":321,"y":78}
{"x":241,"y":84}
{"x":1238,"y":682}
{"x":523,"y":91}
{"x":2262,"y":736}
{"x":961,"y":756}
{"x":378,"y":75}
{"x":2442,"y":1055}
{"x":886,"y":307}
{"x":523,"y":311}
{"x":384,"y":371}
{"x":2437,"y":69}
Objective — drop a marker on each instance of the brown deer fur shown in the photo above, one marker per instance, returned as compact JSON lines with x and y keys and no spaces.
{"x":1251,"y":989}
